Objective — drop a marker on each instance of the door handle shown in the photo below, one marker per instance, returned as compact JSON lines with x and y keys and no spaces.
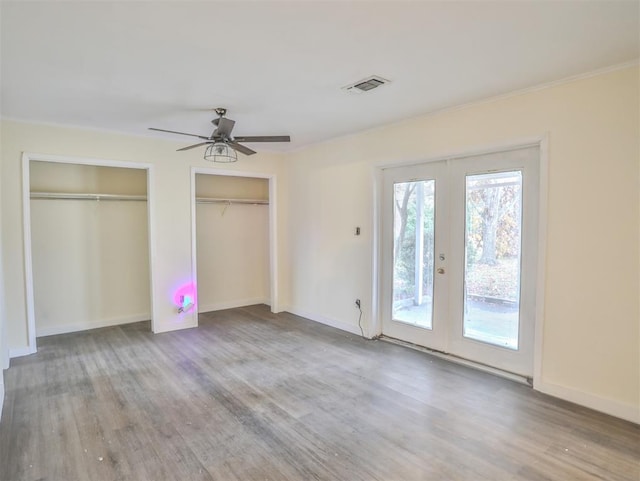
{"x":440,"y":270}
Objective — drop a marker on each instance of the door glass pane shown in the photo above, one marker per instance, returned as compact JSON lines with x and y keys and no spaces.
{"x":413,"y":258}
{"x":492,"y":254}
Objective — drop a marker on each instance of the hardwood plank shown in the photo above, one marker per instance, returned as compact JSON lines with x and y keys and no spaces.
{"x":250,"y":395}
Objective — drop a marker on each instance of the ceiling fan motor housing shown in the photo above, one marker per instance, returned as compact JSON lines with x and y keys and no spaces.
{"x":221,"y":138}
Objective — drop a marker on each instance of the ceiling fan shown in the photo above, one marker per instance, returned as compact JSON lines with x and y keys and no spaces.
{"x":222,"y":146}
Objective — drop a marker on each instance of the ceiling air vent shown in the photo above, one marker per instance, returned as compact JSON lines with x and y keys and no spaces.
{"x":366,"y":85}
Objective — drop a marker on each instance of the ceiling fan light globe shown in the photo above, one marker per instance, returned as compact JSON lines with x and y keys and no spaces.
{"x":220,"y":152}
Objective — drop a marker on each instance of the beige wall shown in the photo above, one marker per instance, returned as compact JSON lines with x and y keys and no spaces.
{"x":232,"y":243}
{"x":590,"y":345}
{"x":78,"y":179}
{"x":170,"y":185}
{"x":231,"y":187}
{"x":90,"y":264}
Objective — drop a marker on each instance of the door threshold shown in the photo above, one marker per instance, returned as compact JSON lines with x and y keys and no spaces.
{"x":460,"y":360}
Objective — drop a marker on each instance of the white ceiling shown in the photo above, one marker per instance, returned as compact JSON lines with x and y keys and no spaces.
{"x":279,"y":66}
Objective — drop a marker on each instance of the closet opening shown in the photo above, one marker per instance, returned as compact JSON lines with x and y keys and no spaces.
{"x":234,"y":239}
{"x":87,"y":244}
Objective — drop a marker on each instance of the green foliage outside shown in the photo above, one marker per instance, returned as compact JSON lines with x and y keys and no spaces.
{"x":496,"y":281}
{"x":493,"y":237}
{"x":404,"y":274}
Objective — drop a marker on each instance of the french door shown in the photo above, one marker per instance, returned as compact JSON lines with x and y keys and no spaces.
{"x":459,"y":256}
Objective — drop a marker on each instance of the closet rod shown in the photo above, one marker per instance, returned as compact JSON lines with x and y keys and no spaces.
{"x":210,"y":200}
{"x":99,"y":197}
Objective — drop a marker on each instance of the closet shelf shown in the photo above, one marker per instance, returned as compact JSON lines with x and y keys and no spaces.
{"x":83,"y":196}
{"x":113,"y":197}
{"x":214,"y":200}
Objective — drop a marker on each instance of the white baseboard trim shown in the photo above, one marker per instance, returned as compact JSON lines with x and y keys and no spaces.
{"x":187,"y":323}
{"x":21,"y":351}
{"x":218,"y":306}
{"x":459,"y":360}
{"x":625,"y":411}
{"x":280,"y":309}
{"x":353,"y":329}
{"x":84,"y":326}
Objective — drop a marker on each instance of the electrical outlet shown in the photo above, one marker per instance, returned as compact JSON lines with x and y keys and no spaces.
{"x":358,"y":303}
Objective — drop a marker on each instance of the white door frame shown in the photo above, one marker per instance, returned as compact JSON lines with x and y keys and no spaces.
{"x":437,"y":336}
{"x":375,"y":329}
{"x":26,"y":230}
{"x":273,"y":236}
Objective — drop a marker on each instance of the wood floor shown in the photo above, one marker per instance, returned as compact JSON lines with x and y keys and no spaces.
{"x":254,"y":396}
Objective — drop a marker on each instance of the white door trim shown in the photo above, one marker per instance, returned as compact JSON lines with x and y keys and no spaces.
{"x":273,"y":223}
{"x":375,"y":329}
{"x":543,"y":202}
{"x":27,"y":157}
{"x":436,"y":337}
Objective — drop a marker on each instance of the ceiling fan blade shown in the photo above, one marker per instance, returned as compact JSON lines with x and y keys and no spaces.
{"x":193,"y":146}
{"x":263,"y":138}
{"x":225,"y":126}
{"x":181,"y":133}
{"x":241,"y":148}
